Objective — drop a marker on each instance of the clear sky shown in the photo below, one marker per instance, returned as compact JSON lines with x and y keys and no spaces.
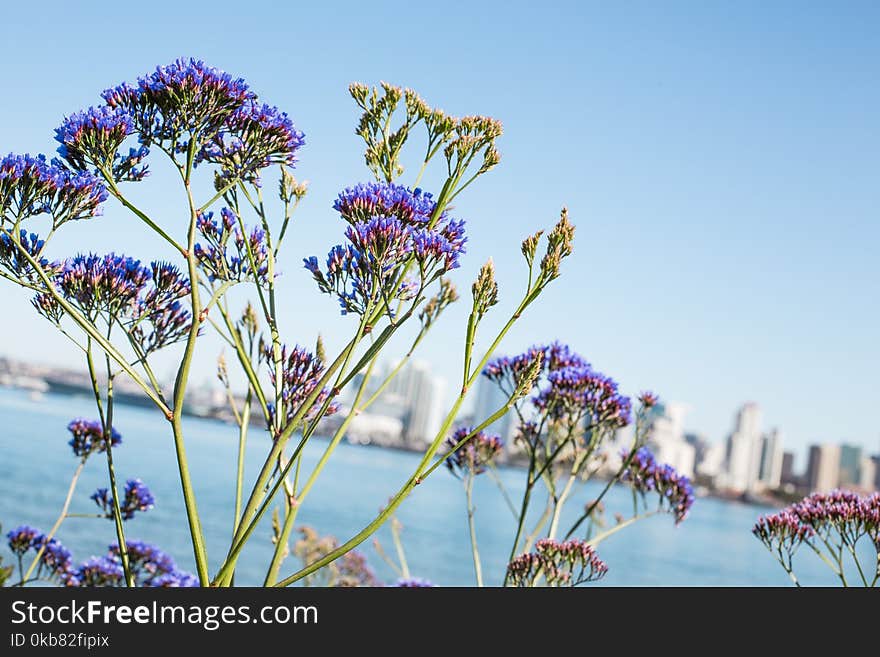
{"x":721,"y":162}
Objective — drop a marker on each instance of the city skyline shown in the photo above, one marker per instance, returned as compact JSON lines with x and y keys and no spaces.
{"x":703,"y":171}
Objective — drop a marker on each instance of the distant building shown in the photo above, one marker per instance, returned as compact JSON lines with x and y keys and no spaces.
{"x":711,"y":463}
{"x":850,"y":463}
{"x":867,"y":474}
{"x":666,"y":438}
{"x":415,"y":397}
{"x":744,"y":445}
{"x":823,"y":468}
{"x":770,"y":470}
{"x":787,"y":476}
{"x":876,"y":460}
{"x":489,"y":399}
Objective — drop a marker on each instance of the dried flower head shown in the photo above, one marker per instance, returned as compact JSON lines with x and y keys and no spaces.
{"x":568,"y":563}
{"x":87,"y":437}
{"x":644,"y":475}
{"x":473,"y":456}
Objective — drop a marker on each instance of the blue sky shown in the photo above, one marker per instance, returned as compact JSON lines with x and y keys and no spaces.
{"x":720,"y":160}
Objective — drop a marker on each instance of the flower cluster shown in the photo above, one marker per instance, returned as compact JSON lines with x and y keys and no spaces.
{"x":137,"y":497}
{"x":474,"y":455}
{"x":87,"y":437}
{"x":351,"y":570}
{"x":31,"y":186}
{"x":92,"y":137}
{"x":390,"y":228}
{"x":99,"y":571}
{"x":581,"y":392}
{"x":783,"y":530}
{"x":507,"y":371}
{"x":144,"y":300}
{"x":301,"y":371}
{"x":413,"y":583}
{"x":56,"y":560}
{"x":151,"y":566}
{"x":567,"y":388}
{"x":184,"y":99}
{"x":243,"y":259}
{"x":253,"y":137}
{"x":645,"y":475}
{"x":360,"y":203}
{"x":13,"y":260}
{"x":844,"y":512}
{"x":566,"y":563}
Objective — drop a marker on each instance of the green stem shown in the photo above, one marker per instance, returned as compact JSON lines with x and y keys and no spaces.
{"x":621,"y":525}
{"x":192,"y":514}
{"x":290,"y":520}
{"x":79,"y":468}
{"x":244,"y":422}
{"x":475,"y":552}
{"x":398,"y":546}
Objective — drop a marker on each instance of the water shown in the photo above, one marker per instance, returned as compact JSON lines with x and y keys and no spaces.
{"x":712,"y":547}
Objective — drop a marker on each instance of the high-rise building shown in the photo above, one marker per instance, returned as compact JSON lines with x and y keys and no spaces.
{"x":489,"y":399}
{"x":666,"y":438}
{"x":823,"y":468}
{"x":787,"y":476}
{"x":850,"y":462}
{"x":744,"y":449}
{"x":770,"y":470}
{"x":416,"y":397}
{"x":867,"y":474}
{"x":876,"y":460}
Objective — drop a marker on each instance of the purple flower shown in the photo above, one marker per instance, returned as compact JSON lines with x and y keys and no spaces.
{"x":92,"y":138}
{"x":301,"y":371}
{"x":176,"y":579}
{"x":648,"y":399}
{"x":372,"y":267}
{"x":103,"y":284}
{"x":99,"y":571}
{"x":16,"y":264}
{"x":231,"y":262}
{"x":22,"y":538}
{"x":413,"y":583}
{"x":136,"y":497}
{"x":365,"y":201}
{"x":581,"y":392}
{"x":31,"y":186}
{"x":474,"y":455}
{"x":645,"y":475}
{"x":147,"y":562}
{"x":557,"y":563}
{"x":184,"y":99}
{"x":55,"y":559}
{"x":254,"y":136}
{"x":87,"y":437}
{"x":119,"y":290}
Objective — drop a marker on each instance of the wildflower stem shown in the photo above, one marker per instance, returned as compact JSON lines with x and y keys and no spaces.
{"x":475,"y":552}
{"x":598,"y":538}
{"x":243,"y":424}
{"x":521,"y":521}
{"x":493,"y":474}
{"x":855,"y":557}
{"x":398,"y":546}
{"x":192,"y":513}
{"x":114,"y":491}
{"x":290,"y":520}
{"x":117,"y":194}
{"x":402,"y":494}
{"x":61,"y":516}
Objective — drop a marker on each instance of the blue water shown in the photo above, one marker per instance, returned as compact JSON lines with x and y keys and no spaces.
{"x":713,"y":546}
